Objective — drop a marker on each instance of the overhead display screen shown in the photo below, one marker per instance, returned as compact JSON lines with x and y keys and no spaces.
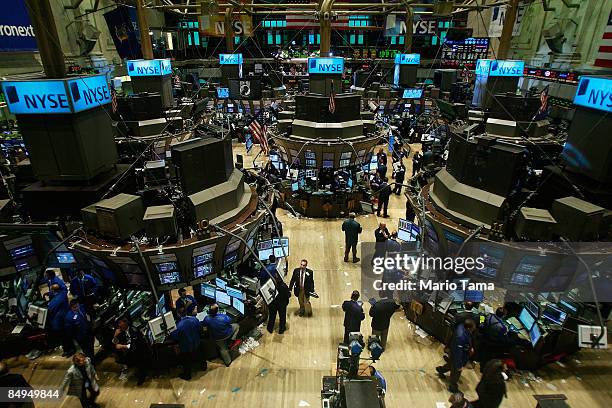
{"x":230,"y":59}
{"x":500,"y":68}
{"x":155,"y":67}
{"x":408,"y":59}
{"x":325,"y":65}
{"x":594,"y":93}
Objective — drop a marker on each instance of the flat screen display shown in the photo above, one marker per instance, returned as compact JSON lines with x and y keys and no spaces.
{"x":223,"y":298}
{"x":203,"y":270}
{"x":220,"y":283}
{"x":526,"y":318}
{"x":166,"y":267}
{"x":169,"y":278}
{"x":238,"y":305}
{"x":534,"y":334}
{"x":222,"y":93}
{"x":208,"y":290}
{"x":553,"y":314}
{"x":234,"y":292}
{"x":492,"y":259}
{"x":65,"y":257}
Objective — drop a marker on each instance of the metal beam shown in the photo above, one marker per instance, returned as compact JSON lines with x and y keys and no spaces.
{"x":47,"y":38}
{"x":143,"y":25}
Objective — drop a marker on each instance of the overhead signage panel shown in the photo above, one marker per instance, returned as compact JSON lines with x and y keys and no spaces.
{"x":408,"y":59}
{"x":327,"y":65}
{"x":56,"y":96}
{"x":595,"y":93}
{"x":230,"y":59}
{"x":413,"y":93}
{"x":155,"y":67}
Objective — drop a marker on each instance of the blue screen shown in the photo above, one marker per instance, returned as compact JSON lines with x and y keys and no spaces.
{"x":474,"y":296}
{"x":89,"y":92}
{"x":221,"y":283}
{"x":594,"y":93}
{"x":295,"y":186}
{"x":526,"y":318}
{"x":65,"y":257}
{"x":500,"y":68}
{"x":238,"y":305}
{"x":25,"y":97}
{"x":230,"y":59}
{"x":235,"y":293}
{"x":413,"y":93}
{"x":208,"y":290}
{"x":325,"y":65}
{"x":408,"y":59}
{"x":534,"y":335}
{"x":156,"y":67}
{"x":222,"y":93}
{"x":349,"y":183}
{"x":223,"y":298}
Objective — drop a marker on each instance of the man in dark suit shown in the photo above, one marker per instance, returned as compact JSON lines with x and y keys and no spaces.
{"x":279,"y":306}
{"x":351,"y":229}
{"x":302,"y":284}
{"x":384,"y":192}
{"x":382,"y":235}
{"x":353,"y":315}
{"x":381,"y":312}
{"x":460,"y":350}
{"x":400,"y":173}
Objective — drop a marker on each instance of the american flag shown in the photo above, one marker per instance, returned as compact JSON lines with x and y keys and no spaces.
{"x":114,"y":100}
{"x":543,"y":104}
{"x":604,"y":55}
{"x":332,"y":100}
{"x":258,"y":129}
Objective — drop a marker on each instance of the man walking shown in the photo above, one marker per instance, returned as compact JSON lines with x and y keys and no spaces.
{"x":353,"y":315}
{"x":302,"y":284}
{"x":351,"y":229}
{"x":384,"y":192}
{"x":460,"y":348}
{"x":279,"y":306}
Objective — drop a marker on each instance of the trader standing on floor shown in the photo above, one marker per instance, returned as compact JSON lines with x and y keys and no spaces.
{"x":185,"y":304}
{"x":302,"y":284}
{"x":52,"y":279}
{"x":381,"y":313}
{"x":78,"y":327}
{"x":221,"y":330}
{"x":353,"y":315}
{"x":384,"y":193}
{"x":400,"y":173}
{"x":491,"y":389}
{"x":56,"y":312}
{"x":460,"y":348}
{"x":351,"y":229}
{"x":381,"y":234}
{"x":187,"y":335}
{"x":279,"y":306}
{"x":131,"y":349}
{"x":83,"y":287}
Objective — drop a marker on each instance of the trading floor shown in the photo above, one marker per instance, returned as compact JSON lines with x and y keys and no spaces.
{"x":286,"y":370}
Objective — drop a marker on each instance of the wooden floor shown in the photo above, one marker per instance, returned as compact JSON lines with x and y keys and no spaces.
{"x":286,"y":370}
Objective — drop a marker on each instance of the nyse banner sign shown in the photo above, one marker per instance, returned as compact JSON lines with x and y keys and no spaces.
{"x":230,"y":59}
{"x":156,"y":67}
{"x":394,"y":26}
{"x":56,"y":96}
{"x":214,"y":26}
{"x":16,"y":31}
{"x":325,"y":65}
{"x":595,"y":93}
{"x":413,"y":93}
{"x":408,"y":59}
{"x":500,"y":68}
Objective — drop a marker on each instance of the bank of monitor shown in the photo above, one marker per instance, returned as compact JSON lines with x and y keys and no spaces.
{"x":238,"y":304}
{"x":234,"y":292}
{"x":208,"y":290}
{"x":221,"y":297}
{"x":203,"y":261}
{"x":407,"y":231}
{"x":277,"y":246}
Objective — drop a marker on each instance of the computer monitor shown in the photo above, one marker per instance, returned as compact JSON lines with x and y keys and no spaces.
{"x":265,"y":249}
{"x":554,"y":314}
{"x":473,"y":296}
{"x":234,"y":292}
{"x":208,"y":290}
{"x":65,"y":257}
{"x":526,"y":318}
{"x":203,"y":270}
{"x":569,"y":306}
{"x":328,"y":164}
{"x":220,"y":283}
{"x":223,"y":298}
{"x":533,"y":308}
{"x":281,"y":247}
{"x":222,"y":93}
{"x":295,"y":186}
{"x":349,"y":183}
{"x":38,"y":315}
{"x":169,"y":278}
{"x":238,"y":305}
{"x":534,"y":335}
{"x":158,"y":324}
{"x":366,"y":207}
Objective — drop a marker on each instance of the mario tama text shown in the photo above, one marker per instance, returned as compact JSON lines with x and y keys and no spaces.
{"x":430,"y":285}
{"x":409,"y":262}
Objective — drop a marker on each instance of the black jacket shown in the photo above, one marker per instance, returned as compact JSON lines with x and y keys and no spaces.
{"x":282,"y":299}
{"x":351,"y":229}
{"x":308,"y":282}
{"x":384,"y":192}
{"x":381,"y":313}
{"x":490,"y":393}
{"x":353,"y":315}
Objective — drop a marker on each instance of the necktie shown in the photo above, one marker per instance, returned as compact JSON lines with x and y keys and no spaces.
{"x":301,"y":278}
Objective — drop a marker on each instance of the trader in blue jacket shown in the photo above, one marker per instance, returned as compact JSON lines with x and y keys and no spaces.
{"x":52,"y":279}
{"x":78,"y":327}
{"x":460,"y":349}
{"x":221,"y":330}
{"x":353,"y":315}
{"x":84,"y":287}
{"x":56,"y":312}
{"x":187,"y":335}
{"x":185,"y":304}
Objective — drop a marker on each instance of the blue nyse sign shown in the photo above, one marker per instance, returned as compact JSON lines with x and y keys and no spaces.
{"x":408,"y":59}
{"x":230,"y":59}
{"x":594,"y":92}
{"x":16,"y":31}
{"x":155,"y":67}
{"x":500,"y":68}
{"x":56,"y":96}
{"x":328,"y":65}
{"x":413,"y":93}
